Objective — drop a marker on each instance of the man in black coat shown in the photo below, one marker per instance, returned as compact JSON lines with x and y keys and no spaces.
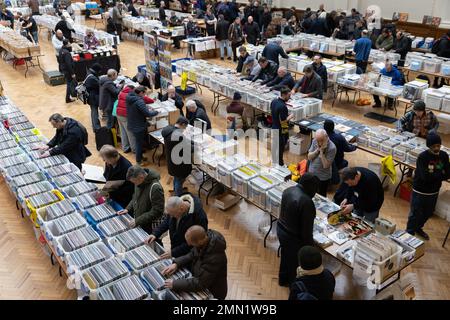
{"x":117,"y":187}
{"x":363,"y":192}
{"x":283,"y":79}
{"x":268,"y":70}
{"x":402,"y":46}
{"x":66,"y":67}
{"x":182,"y":213}
{"x":273,"y":50}
{"x":442,"y":48}
{"x":207,"y":261}
{"x":179,"y":164}
{"x":108,"y":94}
{"x":93,"y":89}
{"x":310,"y":85}
{"x":69,"y":140}
{"x":251,"y":31}
{"x":137,"y":114}
{"x":172,"y":94}
{"x":194,"y":112}
{"x":222,"y":28}
{"x":66,"y":29}
{"x":162,"y":13}
{"x":295,"y":225}
{"x":321,"y":70}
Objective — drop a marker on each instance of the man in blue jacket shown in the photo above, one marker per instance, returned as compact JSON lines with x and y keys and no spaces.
{"x":137,"y":113}
{"x":272,"y":50}
{"x":284,"y":78}
{"x":397,"y":80}
{"x":362,"y":50}
{"x":181,"y":213}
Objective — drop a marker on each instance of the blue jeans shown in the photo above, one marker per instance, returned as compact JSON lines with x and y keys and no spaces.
{"x":109,"y":118}
{"x":178,"y":185}
{"x":35,"y":37}
{"x":369,"y":216}
{"x":422,"y":208}
{"x":223,"y":44}
{"x":94,"y":118}
{"x":139,"y":138}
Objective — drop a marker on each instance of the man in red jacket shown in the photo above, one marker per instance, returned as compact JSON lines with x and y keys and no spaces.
{"x":127,"y":138}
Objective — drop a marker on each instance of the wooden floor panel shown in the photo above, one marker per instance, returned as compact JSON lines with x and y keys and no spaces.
{"x":26,"y":271}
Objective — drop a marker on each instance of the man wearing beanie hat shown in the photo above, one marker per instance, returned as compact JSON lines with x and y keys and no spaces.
{"x":341,"y":146}
{"x":432,"y":167}
{"x":418,"y":121}
{"x":93,"y":89}
{"x":234,"y":113}
{"x":295,"y":225}
{"x":313,"y":282}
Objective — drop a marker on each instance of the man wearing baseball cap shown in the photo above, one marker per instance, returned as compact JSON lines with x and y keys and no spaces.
{"x":419,"y":120}
{"x":432,"y":168}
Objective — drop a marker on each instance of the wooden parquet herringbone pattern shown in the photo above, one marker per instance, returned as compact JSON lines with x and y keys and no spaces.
{"x":26,"y":271}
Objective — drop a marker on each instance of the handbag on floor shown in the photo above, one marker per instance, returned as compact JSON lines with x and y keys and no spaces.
{"x":103,"y":136}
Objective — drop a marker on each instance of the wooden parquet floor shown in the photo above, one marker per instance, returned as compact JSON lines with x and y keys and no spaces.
{"x":26,"y":271}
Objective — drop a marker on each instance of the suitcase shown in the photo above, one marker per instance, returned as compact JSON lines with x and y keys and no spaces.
{"x":54,"y":78}
{"x":103,"y":136}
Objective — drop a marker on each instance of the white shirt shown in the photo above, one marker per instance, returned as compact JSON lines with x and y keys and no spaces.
{"x":57,"y":44}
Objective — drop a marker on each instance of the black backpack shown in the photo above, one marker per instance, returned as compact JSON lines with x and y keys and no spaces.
{"x":85,"y":135}
{"x":103,"y":136}
{"x":435,"y":47}
{"x":304,"y":293}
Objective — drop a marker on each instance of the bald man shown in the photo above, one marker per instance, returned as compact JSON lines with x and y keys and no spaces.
{"x":321,"y":156}
{"x":171,"y":94}
{"x":57,"y":42}
{"x":283,"y":78}
{"x":207,"y":261}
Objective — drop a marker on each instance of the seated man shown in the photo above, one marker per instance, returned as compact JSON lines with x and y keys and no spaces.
{"x":268,"y":70}
{"x":181,"y":213}
{"x":194,"y":113}
{"x":172,"y":94}
{"x":147,"y":204}
{"x":397,"y":80}
{"x":207,"y":261}
{"x":310,"y":85}
{"x":283,"y":79}
{"x":362,"y":192}
{"x":418,"y":121}
{"x":385,"y":40}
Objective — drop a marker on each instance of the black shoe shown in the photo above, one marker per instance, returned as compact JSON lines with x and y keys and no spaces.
{"x":70,"y":100}
{"x":283,"y":284}
{"x":411,"y":232}
{"x":423,"y":234}
{"x":127,"y":151}
{"x":221,"y":58}
{"x":376,"y":106}
{"x":144,"y":159}
{"x":229,"y":58}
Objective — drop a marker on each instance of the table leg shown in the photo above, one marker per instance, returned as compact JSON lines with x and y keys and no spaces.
{"x":214,"y":183}
{"x":202,"y":184}
{"x":51,"y":259}
{"x":403,"y":170}
{"x":214,"y":101}
{"x":154,"y":152}
{"x":446,"y":237}
{"x":335,"y":96}
{"x":272,"y":220}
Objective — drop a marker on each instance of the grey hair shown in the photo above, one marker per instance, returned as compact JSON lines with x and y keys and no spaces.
{"x":321,"y":132}
{"x":173,"y":202}
{"x":135,"y":171}
{"x":191,"y":103}
{"x":111,"y":73}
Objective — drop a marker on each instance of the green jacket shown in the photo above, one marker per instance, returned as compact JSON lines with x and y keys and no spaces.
{"x":147,"y":204}
{"x":385,"y":43}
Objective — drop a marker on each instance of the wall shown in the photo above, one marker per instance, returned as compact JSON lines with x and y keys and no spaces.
{"x":416,"y":8}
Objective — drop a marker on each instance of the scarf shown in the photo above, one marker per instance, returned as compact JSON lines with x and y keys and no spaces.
{"x":313,"y":272}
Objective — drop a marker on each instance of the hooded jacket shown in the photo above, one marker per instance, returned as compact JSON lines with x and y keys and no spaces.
{"x":147,"y":204}
{"x":137,"y":113}
{"x":173,"y":137}
{"x":208,"y":266}
{"x":121,"y":104}
{"x":108,"y":93}
{"x":68,"y":141}
{"x":93,"y":88}
{"x":297,"y":212}
{"x":177,"y":228}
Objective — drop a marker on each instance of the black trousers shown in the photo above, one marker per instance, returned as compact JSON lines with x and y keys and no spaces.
{"x":69,"y":85}
{"x":283,"y":138}
{"x":390,"y":101}
{"x":289,"y":246}
{"x":234,"y":46}
{"x":422,"y":208}
{"x":119,"y":30}
{"x":362,"y":65}
{"x":323,"y":187}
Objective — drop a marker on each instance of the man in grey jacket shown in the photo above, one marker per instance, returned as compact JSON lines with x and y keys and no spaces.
{"x":117,"y":16}
{"x":310,"y":85}
{"x":108,"y":94}
{"x":207,"y":261}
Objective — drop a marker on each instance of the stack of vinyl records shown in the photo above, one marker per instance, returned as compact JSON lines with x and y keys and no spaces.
{"x":5,"y":163}
{"x":101,"y":212}
{"x":141,"y":257}
{"x":154,"y":274}
{"x":88,"y":256}
{"x":83,"y":187}
{"x":104,"y":273}
{"x":129,"y":240}
{"x":129,"y":288}
{"x":22,"y":169}
{"x":51,"y":161}
{"x":6,"y":137}
{"x":67,"y":179}
{"x":43,"y":199}
{"x":115,"y":225}
{"x":85,"y":201}
{"x":23,"y":134}
{"x":79,"y":238}
{"x":7,"y":144}
{"x":22,"y":126}
{"x":68,"y":223}
{"x":10,"y":152}
{"x":33,"y":189}
{"x":17,"y":120}
{"x":59,"y":209}
{"x":62,"y":170}
{"x":27,"y":179}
